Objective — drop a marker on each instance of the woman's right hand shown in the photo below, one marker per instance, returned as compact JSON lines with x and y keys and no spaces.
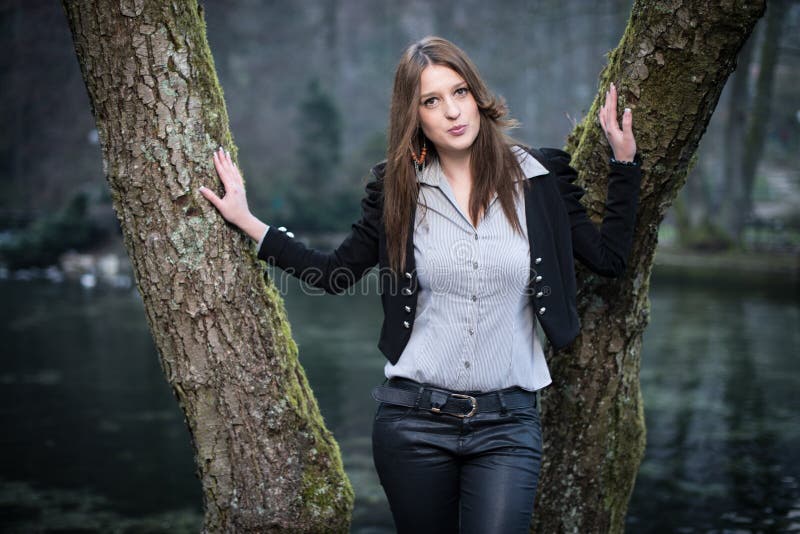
{"x":233,"y":205}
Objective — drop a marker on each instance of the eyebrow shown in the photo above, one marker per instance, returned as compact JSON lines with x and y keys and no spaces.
{"x":432,"y":93}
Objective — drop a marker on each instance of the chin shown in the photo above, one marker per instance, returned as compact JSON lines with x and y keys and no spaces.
{"x":458,"y":145}
{"x":466,"y":144}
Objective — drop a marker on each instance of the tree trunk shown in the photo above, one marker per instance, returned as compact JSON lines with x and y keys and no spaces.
{"x":264,"y":457}
{"x":670,"y":67}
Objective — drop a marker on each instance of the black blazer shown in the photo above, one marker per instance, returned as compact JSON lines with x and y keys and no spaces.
{"x":558,"y":228}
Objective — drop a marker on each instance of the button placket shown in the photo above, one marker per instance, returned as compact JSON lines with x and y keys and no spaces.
{"x":475,"y":283}
{"x":407,"y":291}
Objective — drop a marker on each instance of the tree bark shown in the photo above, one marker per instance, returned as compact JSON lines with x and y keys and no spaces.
{"x":264,"y":457}
{"x":670,"y":67}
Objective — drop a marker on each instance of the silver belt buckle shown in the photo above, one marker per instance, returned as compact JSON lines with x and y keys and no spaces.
{"x":470,"y":398}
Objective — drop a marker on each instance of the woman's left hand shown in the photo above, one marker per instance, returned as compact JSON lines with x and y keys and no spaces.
{"x":621,"y":140}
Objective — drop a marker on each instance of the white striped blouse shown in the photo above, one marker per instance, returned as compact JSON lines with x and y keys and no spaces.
{"x":474,"y":325}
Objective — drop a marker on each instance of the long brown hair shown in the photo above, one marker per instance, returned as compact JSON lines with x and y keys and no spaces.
{"x":493,"y":165}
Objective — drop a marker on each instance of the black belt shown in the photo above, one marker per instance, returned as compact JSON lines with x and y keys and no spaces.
{"x":405,"y":392}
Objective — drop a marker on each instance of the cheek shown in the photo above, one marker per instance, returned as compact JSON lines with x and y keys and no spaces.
{"x":477,"y":119}
{"x":474,"y":109}
{"x":426,"y":122}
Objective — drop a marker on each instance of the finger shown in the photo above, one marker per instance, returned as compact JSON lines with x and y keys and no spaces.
{"x":234,"y":169}
{"x":224,"y":159}
{"x":232,"y":177}
{"x":222,"y":172}
{"x":230,"y":167}
{"x":627,"y":122}
{"x":612,"y":108}
{"x":211,"y":197}
{"x":602,"y":117}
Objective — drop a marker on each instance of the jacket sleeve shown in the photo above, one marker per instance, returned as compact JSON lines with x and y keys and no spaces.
{"x":333,"y":272}
{"x":605,"y":250}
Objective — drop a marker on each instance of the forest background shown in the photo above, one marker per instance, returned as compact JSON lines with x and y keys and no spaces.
{"x":307,"y":87}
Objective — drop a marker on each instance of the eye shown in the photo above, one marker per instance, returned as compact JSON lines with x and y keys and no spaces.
{"x":462,"y":91}
{"x":430,"y":102}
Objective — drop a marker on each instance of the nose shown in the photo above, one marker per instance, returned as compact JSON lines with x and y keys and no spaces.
{"x":451,"y":109}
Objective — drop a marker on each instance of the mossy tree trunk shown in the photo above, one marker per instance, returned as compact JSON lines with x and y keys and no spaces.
{"x":264,"y":457}
{"x":670,"y":67}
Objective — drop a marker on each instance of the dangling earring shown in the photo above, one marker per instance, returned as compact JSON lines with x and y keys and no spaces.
{"x":419,"y":163}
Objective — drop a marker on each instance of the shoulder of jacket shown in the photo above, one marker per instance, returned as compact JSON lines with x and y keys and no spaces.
{"x":379,"y":170}
{"x":549,"y":158}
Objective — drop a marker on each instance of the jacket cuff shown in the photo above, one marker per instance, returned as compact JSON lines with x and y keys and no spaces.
{"x":635,"y":164}
{"x":258,"y":247}
{"x":271,"y":246}
{"x":628,"y":171}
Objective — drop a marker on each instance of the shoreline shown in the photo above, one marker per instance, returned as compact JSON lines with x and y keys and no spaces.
{"x":737,"y":269}
{"x":726,"y":268}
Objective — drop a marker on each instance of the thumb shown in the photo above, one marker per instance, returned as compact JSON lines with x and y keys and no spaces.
{"x":211,"y":197}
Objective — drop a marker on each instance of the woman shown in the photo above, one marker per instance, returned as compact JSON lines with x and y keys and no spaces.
{"x":456,"y":436}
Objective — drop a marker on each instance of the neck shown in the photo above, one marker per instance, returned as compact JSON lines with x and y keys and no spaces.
{"x":456,"y":167}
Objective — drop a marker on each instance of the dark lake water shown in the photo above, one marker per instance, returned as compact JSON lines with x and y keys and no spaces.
{"x":92,"y":438}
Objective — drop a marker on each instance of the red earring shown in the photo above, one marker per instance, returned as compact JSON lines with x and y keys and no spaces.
{"x":419,"y":163}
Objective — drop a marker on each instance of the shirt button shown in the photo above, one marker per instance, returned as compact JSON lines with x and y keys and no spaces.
{"x":474,"y":298}
{"x":471,"y":331}
{"x":475,"y":265}
{"x":407,"y":309}
{"x":408,"y":275}
{"x":476,"y":237}
{"x":406,"y":324}
{"x":466,"y":364}
{"x":406,"y":291}
{"x":537,"y":261}
{"x":539,"y":294}
{"x":542,"y":310}
{"x":539,"y":278}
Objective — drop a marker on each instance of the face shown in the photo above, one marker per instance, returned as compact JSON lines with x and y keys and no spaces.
{"x":448,"y":113}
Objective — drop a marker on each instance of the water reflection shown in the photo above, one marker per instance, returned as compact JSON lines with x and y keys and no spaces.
{"x":719,"y":377}
{"x":93,"y":437}
{"x":91,"y":432}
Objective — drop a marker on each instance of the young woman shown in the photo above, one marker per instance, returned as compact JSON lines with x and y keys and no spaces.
{"x":474,"y":235}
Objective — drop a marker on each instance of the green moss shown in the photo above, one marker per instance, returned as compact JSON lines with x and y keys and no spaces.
{"x":326,"y":490}
{"x":327,"y":503}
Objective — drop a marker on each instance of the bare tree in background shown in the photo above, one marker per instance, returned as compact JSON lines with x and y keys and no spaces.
{"x":754,"y":138}
{"x":264,"y":457}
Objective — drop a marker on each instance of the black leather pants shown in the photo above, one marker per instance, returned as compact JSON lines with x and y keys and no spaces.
{"x":443,"y":474}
